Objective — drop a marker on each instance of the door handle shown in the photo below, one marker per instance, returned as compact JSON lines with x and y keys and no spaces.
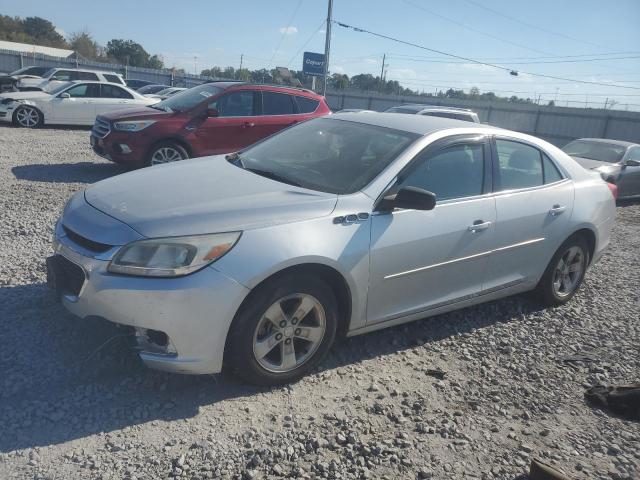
{"x":248,"y":125}
{"x":557,"y":210}
{"x":478,"y":226}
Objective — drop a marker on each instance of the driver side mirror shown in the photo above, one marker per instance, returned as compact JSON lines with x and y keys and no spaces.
{"x":212,"y":112}
{"x":65,"y":95}
{"x":412,"y":198}
{"x":632,"y":163}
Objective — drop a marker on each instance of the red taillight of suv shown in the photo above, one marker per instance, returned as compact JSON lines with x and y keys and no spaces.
{"x":613,"y":188}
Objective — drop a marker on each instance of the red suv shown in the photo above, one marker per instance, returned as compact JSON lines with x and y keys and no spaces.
{"x":209,"y":119}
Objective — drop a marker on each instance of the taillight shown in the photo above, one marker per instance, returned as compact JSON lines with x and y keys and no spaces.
{"x":613,"y":188}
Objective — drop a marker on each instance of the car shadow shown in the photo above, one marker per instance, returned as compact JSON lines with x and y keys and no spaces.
{"x":82,"y":172}
{"x":63,"y":378}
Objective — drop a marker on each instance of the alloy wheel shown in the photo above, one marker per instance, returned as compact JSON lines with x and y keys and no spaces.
{"x":289,"y":333}
{"x":568,"y":271}
{"x":165,"y":155}
{"x":27,"y":117}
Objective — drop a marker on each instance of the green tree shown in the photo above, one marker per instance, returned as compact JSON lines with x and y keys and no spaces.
{"x":131,"y":53}
{"x":84,"y":45}
{"x":43,"y":32}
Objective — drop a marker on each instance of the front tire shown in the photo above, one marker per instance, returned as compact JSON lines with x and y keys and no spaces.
{"x":27,"y":116}
{"x":565,"y":272}
{"x":284,"y":331}
{"x":166,"y":152}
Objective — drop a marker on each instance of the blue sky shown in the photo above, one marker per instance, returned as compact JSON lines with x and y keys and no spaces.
{"x":272,"y":33}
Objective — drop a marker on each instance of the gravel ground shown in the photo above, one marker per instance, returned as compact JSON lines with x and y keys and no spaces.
{"x":75,"y":401}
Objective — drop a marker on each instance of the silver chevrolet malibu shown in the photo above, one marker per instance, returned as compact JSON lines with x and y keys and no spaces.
{"x":340,"y":225}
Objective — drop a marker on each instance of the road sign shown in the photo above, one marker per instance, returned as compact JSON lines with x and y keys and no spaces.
{"x":313,"y":64}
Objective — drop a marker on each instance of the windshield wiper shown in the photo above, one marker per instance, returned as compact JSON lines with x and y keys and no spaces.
{"x":273,"y":176}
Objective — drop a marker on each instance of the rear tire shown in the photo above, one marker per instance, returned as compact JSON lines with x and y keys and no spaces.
{"x":284,"y":331}
{"x":27,"y":116}
{"x":565,"y":272}
{"x":166,"y":152}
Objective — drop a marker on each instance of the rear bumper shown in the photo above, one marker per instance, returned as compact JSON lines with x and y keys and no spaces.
{"x":195,"y":311}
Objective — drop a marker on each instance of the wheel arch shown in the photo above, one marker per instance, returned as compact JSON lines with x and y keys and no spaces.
{"x":590,"y":236}
{"x":35,"y":107}
{"x":172,"y":138}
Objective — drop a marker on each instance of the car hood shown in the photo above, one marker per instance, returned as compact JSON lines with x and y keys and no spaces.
{"x":26,"y":95}
{"x":135,"y":112}
{"x":203,"y":195}
{"x":590,"y":164}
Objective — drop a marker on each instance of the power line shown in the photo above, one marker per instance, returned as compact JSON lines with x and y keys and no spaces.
{"x":511,"y":71}
{"x":632,"y":52}
{"x":525,"y":63}
{"x":536,"y":27}
{"x":284,"y":32}
{"x":306,"y":43}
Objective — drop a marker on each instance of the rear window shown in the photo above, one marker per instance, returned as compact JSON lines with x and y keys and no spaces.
{"x":113,"y":78}
{"x":453,"y":115}
{"x":276,"y":104}
{"x":111,"y":91}
{"x":84,"y":76}
{"x":306,"y":105}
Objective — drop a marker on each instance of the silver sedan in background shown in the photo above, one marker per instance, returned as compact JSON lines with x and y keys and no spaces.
{"x":337,"y":226}
{"x":616,"y":161}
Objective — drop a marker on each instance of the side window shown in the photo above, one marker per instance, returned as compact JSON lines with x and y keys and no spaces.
{"x":79,"y":91}
{"x":111,"y":91}
{"x":84,"y":76}
{"x":519,"y":166}
{"x":453,"y":172}
{"x":64,"y":75}
{"x":235,"y":104}
{"x":551,"y":173}
{"x":113,"y":78}
{"x":306,"y":105}
{"x":276,"y":103}
{"x":634,"y":154}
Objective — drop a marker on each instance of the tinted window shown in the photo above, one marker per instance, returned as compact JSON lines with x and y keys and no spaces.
{"x":113,"y":78}
{"x":188,"y":99}
{"x":235,"y":104}
{"x":84,"y":76}
{"x":328,"y":155}
{"x":307,"y":105}
{"x":276,"y":103}
{"x":64,"y":75}
{"x":84,"y":90}
{"x":111,"y":91}
{"x":519,"y":165}
{"x":454,"y":172}
{"x":634,"y":153}
{"x":455,"y":116}
{"x":551,"y":172}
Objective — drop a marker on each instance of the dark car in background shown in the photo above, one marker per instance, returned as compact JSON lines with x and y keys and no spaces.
{"x":135,"y":84}
{"x":437,"y":111}
{"x":151,"y":89}
{"x":209,"y":119}
{"x":616,"y":161}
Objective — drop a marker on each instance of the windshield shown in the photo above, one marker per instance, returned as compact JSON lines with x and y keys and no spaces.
{"x":48,"y":73}
{"x":603,"y":152}
{"x":188,"y":99}
{"x":334,"y":156}
{"x":55,"y":89}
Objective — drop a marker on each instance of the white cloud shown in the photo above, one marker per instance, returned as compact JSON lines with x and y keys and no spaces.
{"x":288,"y":30}
{"x":371,"y":61}
{"x":336,"y":69}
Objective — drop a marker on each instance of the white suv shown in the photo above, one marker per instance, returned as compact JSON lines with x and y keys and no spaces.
{"x":57,"y":76}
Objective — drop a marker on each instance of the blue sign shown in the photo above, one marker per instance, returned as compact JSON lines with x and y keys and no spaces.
{"x":313,"y":64}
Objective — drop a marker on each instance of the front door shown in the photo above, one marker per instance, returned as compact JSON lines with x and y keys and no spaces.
{"x":420,"y":260}
{"x":232,"y":129}
{"x":79,"y":108}
{"x":533,"y":207}
{"x":112,"y":97}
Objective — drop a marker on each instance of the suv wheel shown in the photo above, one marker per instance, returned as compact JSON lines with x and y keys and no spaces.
{"x":166,"y":152}
{"x":27,"y":116}
{"x":284,"y":331}
{"x":565,"y":272}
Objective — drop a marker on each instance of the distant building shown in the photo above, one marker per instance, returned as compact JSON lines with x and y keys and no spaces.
{"x":32,"y":49}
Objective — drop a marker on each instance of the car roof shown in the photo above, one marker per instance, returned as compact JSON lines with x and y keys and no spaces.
{"x":284,"y":88}
{"x":420,"y":124}
{"x":420,"y":107}
{"x":620,"y":143}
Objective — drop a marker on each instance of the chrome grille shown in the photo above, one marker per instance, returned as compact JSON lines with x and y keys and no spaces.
{"x":101,"y":128}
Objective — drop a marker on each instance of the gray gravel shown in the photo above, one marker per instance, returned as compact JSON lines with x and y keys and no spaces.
{"x":75,"y":402}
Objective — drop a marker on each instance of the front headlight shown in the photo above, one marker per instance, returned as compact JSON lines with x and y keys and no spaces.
{"x":172,"y":256}
{"x":133,"y":125}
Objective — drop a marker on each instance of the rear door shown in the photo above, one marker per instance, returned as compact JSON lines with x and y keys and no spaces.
{"x":112,"y":97}
{"x":79,"y":108}
{"x":232,"y":129}
{"x":534,"y":202}
{"x":279,"y":110}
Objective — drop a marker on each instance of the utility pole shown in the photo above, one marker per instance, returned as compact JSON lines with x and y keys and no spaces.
{"x":195,"y":64}
{"x":384,"y":57}
{"x":605,"y":103}
{"x":240,"y":69}
{"x":327,"y":47}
